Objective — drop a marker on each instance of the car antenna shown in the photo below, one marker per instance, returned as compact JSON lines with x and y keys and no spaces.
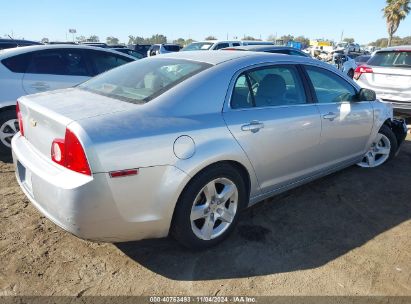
{"x":13,"y":40}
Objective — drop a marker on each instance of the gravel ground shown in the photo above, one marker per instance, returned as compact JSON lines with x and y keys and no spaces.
{"x":345,"y":234}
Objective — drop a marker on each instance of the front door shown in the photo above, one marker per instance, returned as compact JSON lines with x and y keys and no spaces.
{"x":346,"y":123}
{"x":270,"y":118}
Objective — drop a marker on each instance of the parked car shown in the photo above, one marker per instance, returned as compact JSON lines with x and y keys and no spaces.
{"x":269,"y":49}
{"x":345,"y":63}
{"x":140,"y":48}
{"x":129,"y":52}
{"x":12,"y":43}
{"x":34,"y":69}
{"x":348,"y":47}
{"x":157,"y":49}
{"x":254,"y":42}
{"x":182,"y":143}
{"x":388,"y":72}
{"x":211,"y":45}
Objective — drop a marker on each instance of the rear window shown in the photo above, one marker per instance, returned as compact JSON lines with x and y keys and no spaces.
{"x":391,"y":59}
{"x":143,"y":80}
{"x":172,"y":48}
{"x":18,"y":64}
{"x":198,"y":46}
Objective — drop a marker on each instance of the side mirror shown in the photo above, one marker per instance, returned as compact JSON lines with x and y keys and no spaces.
{"x":366,"y":95}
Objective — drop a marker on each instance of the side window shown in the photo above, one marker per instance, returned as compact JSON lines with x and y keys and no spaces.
{"x":236,"y":44}
{"x":104,"y":61}
{"x":277,"y":86}
{"x":18,"y":64}
{"x":242,"y":97}
{"x":221,"y":46}
{"x":273,"y":86}
{"x":58,"y":62}
{"x":330,"y":88}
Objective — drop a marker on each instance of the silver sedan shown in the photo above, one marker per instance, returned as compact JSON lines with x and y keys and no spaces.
{"x":181,"y":143}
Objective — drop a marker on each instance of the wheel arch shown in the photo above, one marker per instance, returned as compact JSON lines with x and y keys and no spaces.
{"x":8,"y":108}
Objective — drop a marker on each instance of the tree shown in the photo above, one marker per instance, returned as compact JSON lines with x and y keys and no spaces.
{"x":394,"y":13}
{"x":112,"y":40}
{"x":45,"y":40}
{"x":251,"y":38}
{"x":210,"y":38}
{"x":349,"y":40}
{"x":180,"y":41}
{"x":80,"y":38}
{"x":93,"y":38}
{"x":304,"y":40}
{"x":286,"y":38}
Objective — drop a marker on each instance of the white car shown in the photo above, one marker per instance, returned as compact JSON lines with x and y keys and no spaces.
{"x":33,"y":69}
{"x":345,"y":63}
{"x":211,"y":45}
{"x":164,"y":48}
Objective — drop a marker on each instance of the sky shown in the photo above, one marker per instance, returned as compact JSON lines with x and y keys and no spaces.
{"x":196,"y":19}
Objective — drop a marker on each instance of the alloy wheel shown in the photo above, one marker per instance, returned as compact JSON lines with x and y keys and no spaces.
{"x":214,"y":209}
{"x":7,"y":130}
{"x":378,"y":153}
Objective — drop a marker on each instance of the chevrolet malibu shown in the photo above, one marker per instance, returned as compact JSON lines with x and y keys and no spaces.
{"x":180,"y":143}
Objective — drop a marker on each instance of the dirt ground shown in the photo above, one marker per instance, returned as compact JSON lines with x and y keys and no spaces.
{"x":346,"y":234}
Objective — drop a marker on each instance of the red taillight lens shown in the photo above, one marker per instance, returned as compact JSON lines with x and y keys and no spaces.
{"x":19,"y":118}
{"x":362,"y":69}
{"x":69,"y":153}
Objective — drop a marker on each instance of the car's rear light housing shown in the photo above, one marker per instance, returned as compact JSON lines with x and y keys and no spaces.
{"x":20,"y":119}
{"x":69,"y":153}
{"x":362,"y":69}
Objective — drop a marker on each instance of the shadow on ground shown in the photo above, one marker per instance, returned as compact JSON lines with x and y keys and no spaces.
{"x":302,"y":229}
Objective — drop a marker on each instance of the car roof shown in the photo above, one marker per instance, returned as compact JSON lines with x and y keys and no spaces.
{"x":262,"y":48}
{"x":216,"y":41}
{"x":26,"y":49}
{"x":396,"y":48}
{"x":217,"y":57}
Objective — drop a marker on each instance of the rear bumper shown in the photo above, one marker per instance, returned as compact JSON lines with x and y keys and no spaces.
{"x":98,"y":207}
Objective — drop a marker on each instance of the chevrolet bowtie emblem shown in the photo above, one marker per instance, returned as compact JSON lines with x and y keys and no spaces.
{"x":33,"y":122}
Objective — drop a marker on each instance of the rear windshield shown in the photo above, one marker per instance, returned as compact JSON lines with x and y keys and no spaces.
{"x":141,"y":81}
{"x":391,"y":59}
{"x":171,"y":48}
{"x":198,"y":46}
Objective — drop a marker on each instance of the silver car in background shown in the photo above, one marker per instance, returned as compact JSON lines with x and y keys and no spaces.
{"x":388,"y":73}
{"x":181,"y":143}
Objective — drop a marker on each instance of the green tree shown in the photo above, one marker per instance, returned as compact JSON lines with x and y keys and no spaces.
{"x":180,"y":41}
{"x":286,"y":38}
{"x":112,"y":40}
{"x":210,"y":38}
{"x":349,"y":40}
{"x":303,"y":40}
{"x":394,"y":12}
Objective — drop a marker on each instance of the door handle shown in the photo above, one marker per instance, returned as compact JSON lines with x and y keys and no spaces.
{"x":253,"y":126}
{"x":40,"y":86}
{"x":330,"y":116}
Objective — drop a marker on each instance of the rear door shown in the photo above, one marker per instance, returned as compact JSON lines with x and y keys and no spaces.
{"x":55,"y":69}
{"x":272,"y":119}
{"x":346,"y":123}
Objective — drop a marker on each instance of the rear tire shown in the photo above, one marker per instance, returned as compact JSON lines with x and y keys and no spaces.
{"x":208,"y":208}
{"x":351,"y":73}
{"x":8,"y":128}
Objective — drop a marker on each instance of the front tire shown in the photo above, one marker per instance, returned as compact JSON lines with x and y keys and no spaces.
{"x":208,"y":208}
{"x":382,"y":149}
{"x":9,"y":126}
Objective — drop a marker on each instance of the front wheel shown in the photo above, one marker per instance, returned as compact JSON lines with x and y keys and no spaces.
{"x":208,"y":208}
{"x":382,"y":149}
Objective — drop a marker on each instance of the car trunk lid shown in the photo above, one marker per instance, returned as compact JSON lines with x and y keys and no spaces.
{"x":45,"y":116}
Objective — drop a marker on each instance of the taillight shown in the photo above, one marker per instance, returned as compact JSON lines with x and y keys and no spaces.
{"x":362,"y":69}
{"x":19,"y":118}
{"x":69,"y":153}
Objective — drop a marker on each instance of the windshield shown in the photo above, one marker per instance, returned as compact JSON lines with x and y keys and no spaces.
{"x":198,"y":46}
{"x":391,"y":59}
{"x":141,"y":81}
